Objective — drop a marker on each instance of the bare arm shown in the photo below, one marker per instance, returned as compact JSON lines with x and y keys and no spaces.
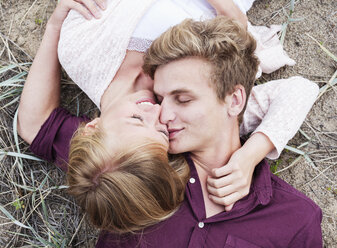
{"x":229,"y":8}
{"x":277,"y":109}
{"x":41,"y":93}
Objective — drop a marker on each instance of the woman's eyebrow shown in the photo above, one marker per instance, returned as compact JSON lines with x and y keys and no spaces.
{"x":138,"y":123}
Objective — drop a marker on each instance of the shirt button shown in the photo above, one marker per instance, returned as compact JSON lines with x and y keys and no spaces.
{"x":201,"y":224}
{"x":192,"y":180}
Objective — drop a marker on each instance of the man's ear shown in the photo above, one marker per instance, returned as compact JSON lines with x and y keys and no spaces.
{"x":236,"y":101}
{"x":91,"y":126}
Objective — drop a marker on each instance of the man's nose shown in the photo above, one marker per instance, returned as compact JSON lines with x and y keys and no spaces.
{"x":166,"y":114}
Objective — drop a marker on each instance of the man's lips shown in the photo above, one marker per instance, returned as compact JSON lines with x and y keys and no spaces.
{"x":173,"y":132}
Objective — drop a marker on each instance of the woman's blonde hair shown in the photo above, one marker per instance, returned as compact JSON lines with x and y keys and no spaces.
{"x":125,"y":188}
{"x":223,"y":43}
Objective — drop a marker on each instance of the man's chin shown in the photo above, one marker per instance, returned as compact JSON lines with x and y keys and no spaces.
{"x":176,"y":150}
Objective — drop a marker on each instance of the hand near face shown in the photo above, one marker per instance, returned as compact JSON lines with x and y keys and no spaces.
{"x":228,"y":8}
{"x":87,"y":8}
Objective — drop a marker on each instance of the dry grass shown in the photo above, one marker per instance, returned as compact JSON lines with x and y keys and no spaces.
{"x":34,"y":207}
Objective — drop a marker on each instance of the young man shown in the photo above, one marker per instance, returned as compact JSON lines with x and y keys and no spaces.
{"x":203,"y":72}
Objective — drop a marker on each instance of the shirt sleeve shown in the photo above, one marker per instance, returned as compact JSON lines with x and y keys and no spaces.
{"x":53,"y":139}
{"x":277,"y":109}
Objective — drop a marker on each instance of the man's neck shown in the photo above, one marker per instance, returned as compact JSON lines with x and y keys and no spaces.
{"x":215,"y":156}
{"x":219,"y":152}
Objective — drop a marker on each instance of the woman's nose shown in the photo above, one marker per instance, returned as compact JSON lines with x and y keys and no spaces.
{"x":151,"y":113}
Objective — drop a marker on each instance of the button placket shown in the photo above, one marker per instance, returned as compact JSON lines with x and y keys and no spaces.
{"x":201,"y":224}
{"x":192,"y":180}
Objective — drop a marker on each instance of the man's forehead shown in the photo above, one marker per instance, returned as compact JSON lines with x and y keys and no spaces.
{"x":182,"y":76}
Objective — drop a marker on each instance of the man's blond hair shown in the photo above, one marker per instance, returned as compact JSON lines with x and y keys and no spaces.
{"x":223,"y":43}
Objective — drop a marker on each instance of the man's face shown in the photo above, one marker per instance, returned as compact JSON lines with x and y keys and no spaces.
{"x":190,"y":108}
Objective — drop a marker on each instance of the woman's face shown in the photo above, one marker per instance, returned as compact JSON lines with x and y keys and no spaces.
{"x":136,"y":116}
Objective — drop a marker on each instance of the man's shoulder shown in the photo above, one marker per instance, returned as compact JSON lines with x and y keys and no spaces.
{"x":283,"y":191}
{"x":289,"y":213}
{"x":279,"y":197}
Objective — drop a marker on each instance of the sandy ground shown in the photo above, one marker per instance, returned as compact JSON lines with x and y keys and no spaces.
{"x":22,"y":25}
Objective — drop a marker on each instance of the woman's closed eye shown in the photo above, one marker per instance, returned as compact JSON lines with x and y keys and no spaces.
{"x":138,"y":117}
{"x":164,"y":132}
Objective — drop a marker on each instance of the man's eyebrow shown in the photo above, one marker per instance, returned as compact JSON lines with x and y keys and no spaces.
{"x":176,"y":92}
{"x":179,"y":91}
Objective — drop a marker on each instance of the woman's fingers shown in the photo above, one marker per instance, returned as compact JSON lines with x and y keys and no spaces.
{"x":92,"y":7}
{"x":222,"y":171}
{"x":229,"y":207}
{"x":82,"y":10}
{"x":101,"y":3}
{"x":220,"y":182}
{"x":221,"y":192}
{"x":226,"y":201}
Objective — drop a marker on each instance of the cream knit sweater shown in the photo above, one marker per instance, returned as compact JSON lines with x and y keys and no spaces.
{"x":92,"y":51}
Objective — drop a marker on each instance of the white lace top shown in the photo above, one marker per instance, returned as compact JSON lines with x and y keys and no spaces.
{"x":92,"y":51}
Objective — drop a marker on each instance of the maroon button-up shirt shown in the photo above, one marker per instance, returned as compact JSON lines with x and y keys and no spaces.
{"x":274,"y":214}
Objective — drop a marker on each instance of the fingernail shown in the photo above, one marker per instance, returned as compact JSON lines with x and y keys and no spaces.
{"x":98,"y":14}
{"x":103,"y":5}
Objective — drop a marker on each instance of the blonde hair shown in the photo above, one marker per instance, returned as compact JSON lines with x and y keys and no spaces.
{"x":223,"y":43}
{"x":126,"y":189}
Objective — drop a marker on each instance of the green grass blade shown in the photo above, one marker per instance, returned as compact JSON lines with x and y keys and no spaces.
{"x":295,"y":150}
{"x":20,"y":155}
{"x":9,"y":216}
{"x":11,"y":66}
{"x":323,"y":48}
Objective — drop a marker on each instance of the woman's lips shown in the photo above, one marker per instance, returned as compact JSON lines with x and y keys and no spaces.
{"x":173,"y":132}
{"x":150,"y":100}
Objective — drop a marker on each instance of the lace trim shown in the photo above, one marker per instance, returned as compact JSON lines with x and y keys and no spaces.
{"x":139,"y":45}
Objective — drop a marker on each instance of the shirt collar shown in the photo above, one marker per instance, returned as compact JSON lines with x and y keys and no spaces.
{"x":261,"y":185}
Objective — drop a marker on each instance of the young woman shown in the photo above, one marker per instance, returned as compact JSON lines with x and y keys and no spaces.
{"x":105,"y":153}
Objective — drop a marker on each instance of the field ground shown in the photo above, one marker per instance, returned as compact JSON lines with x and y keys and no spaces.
{"x":34,"y":208}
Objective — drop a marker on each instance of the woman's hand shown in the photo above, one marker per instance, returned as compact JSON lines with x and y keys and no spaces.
{"x":88,"y":8}
{"x":228,"y":8}
{"x":231,"y":182}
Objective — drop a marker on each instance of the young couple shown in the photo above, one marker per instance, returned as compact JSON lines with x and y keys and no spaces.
{"x":202,"y":74}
